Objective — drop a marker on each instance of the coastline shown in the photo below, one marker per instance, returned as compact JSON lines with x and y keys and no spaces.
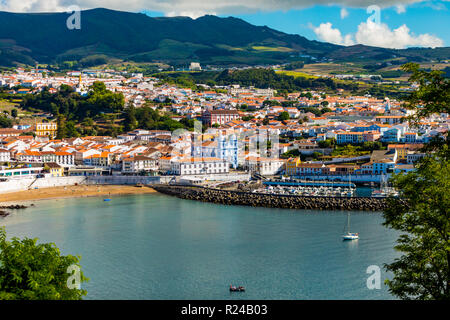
{"x":78,"y":191}
{"x":235,"y":197}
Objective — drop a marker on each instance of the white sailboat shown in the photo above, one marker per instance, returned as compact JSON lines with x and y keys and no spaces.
{"x":350,"y":235}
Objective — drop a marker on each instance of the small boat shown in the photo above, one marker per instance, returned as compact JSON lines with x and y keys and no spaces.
{"x":106,"y":199}
{"x":350,"y":235}
{"x":237,"y":289}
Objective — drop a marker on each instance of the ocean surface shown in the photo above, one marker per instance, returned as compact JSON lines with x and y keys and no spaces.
{"x":160,"y":247}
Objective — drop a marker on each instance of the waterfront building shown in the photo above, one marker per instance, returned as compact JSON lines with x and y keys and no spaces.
{"x":291,"y":166}
{"x":139,"y":163}
{"x":199,"y":166}
{"x":264,"y":166}
{"x":55,"y":169}
{"x":223,"y":147}
{"x":381,"y":162}
{"x":5,"y":155}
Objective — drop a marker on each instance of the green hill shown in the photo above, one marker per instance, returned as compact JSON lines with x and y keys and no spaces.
{"x":44,"y":37}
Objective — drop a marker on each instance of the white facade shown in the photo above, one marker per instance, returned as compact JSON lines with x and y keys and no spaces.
{"x":199,"y":166}
{"x":5,"y":155}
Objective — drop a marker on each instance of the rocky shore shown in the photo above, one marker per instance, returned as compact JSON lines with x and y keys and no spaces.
{"x":272,"y":201}
{"x":4,"y":214}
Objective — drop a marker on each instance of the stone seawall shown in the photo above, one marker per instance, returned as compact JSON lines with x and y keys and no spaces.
{"x":272,"y":201}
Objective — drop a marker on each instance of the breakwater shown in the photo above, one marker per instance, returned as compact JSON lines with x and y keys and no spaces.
{"x":272,"y":201}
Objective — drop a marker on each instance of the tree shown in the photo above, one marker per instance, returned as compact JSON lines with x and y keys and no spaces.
{"x":130,"y":122}
{"x":283,"y":116}
{"x":14,"y":113}
{"x":433,"y":95}
{"x":61,"y":131}
{"x":421,"y":212}
{"x":5,"y":122}
{"x":32,"y":271}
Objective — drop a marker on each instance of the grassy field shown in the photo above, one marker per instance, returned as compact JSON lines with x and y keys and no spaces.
{"x":8,"y":106}
{"x":24,"y":117}
{"x":273,"y":49}
{"x":332,"y":68}
{"x":295,"y":73}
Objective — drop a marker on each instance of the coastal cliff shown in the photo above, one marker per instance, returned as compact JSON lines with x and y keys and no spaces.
{"x":272,"y":201}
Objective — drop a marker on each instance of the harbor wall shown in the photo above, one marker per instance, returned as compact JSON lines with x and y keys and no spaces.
{"x":271,"y":200}
{"x":14,"y":185}
{"x":123,"y":180}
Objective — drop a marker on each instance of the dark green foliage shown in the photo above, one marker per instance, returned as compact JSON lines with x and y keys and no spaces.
{"x":257,"y":77}
{"x":32,"y":271}
{"x":5,"y":122}
{"x":422,"y":212}
{"x":423,"y":271}
{"x":295,"y":65}
{"x":433,"y":95}
{"x":328,"y":143}
{"x":74,"y":106}
{"x":283,"y":116}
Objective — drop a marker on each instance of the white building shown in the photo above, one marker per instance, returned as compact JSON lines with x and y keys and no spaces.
{"x":199,"y":166}
{"x":138,"y":164}
{"x":5,"y":155}
{"x":195,"y":66}
{"x":263,"y":166}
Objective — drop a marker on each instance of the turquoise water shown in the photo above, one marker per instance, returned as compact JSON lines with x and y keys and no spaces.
{"x":159,"y":247}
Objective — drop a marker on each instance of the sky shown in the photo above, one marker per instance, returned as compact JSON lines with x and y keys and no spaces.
{"x":388,"y":23}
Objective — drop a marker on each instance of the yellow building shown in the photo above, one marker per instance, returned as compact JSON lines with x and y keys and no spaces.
{"x":291,"y":166}
{"x":46,"y":129}
{"x":55,"y":169}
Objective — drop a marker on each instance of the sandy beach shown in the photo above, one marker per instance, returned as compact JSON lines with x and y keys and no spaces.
{"x":72,"y":192}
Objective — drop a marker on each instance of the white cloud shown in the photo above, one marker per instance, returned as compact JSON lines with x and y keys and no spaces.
{"x":192,"y":7}
{"x":327,"y":33}
{"x":344,"y":13}
{"x":400,"y":8}
{"x":378,"y":35}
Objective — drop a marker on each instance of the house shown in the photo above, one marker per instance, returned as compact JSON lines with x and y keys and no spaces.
{"x":46,"y":129}
{"x":391,"y":135}
{"x":381,"y":162}
{"x":291,"y":166}
{"x":9,"y":132}
{"x":413,"y":156}
{"x":199,"y":166}
{"x":211,"y":117}
{"x":309,"y":169}
{"x":264,"y":166}
{"x":55,"y":169}
{"x":65,"y":158}
{"x":5,"y":155}
{"x":139,"y":163}
{"x":104,"y":159}
{"x":390,"y":119}
{"x":352,"y":137}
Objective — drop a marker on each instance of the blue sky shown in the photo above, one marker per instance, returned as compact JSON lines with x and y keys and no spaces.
{"x":404,"y":23}
{"x":430,"y":17}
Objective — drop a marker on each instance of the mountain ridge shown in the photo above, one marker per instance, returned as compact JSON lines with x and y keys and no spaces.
{"x":44,"y":37}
